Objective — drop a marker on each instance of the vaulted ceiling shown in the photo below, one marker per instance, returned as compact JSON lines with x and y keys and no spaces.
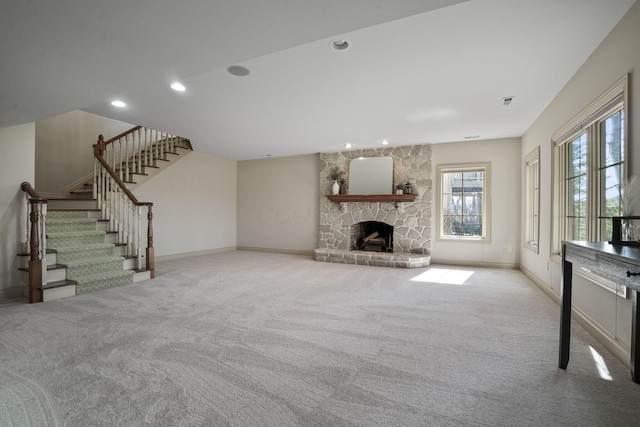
{"x":415,"y":71}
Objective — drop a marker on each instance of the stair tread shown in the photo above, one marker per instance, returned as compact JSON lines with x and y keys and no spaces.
{"x":93,"y":261}
{"x":71,"y":220}
{"x":80,"y":248}
{"x":58,"y":284}
{"x":56,"y":267}
{"x":77,"y":233}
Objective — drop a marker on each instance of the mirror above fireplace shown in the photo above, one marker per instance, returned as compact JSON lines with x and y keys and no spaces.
{"x":371,"y":175}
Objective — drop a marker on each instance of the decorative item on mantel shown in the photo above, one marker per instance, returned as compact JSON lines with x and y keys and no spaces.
{"x":623,"y":227}
{"x":337,"y":176}
{"x":400,"y":188}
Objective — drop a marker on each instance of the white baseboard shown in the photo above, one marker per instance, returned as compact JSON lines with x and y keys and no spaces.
{"x":195,"y":253}
{"x":277,"y":251}
{"x":463,"y":263}
{"x":616,"y":347}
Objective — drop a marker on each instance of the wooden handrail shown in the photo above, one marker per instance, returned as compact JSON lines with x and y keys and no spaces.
{"x":122,"y":135}
{"x":109,"y":169}
{"x":27,"y":188}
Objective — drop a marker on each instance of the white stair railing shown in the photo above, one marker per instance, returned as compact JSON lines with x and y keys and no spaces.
{"x":131,"y":151}
{"x":124,"y":212}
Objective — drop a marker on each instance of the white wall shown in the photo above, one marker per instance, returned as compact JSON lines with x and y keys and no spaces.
{"x":278,"y":203}
{"x":17,"y":150}
{"x":194,"y":205}
{"x":64,"y":152}
{"x":504,"y":156}
{"x":618,"y":54}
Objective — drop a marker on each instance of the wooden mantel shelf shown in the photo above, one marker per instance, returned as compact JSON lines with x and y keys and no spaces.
{"x":384,"y":198}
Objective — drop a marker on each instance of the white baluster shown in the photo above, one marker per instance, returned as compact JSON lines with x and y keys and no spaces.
{"x":131,"y":217}
{"x":27,"y":248}
{"x":120,"y":161}
{"x":95,"y":180}
{"x":43,"y":229}
{"x":42,"y":213}
{"x":147,"y":144}
{"x":43,"y":240}
{"x":125,"y":222}
{"x":134,"y":156}
{"x":138,"y":251}
{"x":111,"y":204}
{"x":102,"y":189}
{"x":140,"y":150}
{"x":120,"y":215}
{"x":163,"y":146}
{"x":126,"y":158}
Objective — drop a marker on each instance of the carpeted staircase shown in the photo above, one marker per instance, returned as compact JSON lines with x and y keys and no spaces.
{"x":88,"y":252}
{"x":83,"y":255}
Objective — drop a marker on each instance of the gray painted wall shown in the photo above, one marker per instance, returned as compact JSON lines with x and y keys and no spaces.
{"x":64,"y":152}
{"x":194,"y":205}
{"x":278,"y":203}
{"x":618,"y":54}
{"x":17,"y":150}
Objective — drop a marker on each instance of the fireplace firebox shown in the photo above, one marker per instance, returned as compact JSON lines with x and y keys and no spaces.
{"x":373,"y":236}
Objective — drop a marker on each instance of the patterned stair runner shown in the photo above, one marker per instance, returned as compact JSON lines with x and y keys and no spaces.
{"x":89,"y":259}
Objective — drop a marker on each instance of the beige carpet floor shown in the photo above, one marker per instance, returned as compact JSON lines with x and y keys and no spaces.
{"x":259,"y":339}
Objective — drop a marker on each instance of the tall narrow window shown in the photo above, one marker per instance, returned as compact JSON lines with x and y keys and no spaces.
{"x":611,"y":171}
{"x":463,"y":209}
{"x":532,"y":199}
{"x":589,"y":171}
{"x":577,"y":189}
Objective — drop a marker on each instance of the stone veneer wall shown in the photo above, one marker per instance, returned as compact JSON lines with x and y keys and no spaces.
{"x":411,"y":221}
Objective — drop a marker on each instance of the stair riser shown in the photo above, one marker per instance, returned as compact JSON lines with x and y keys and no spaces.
{"x":62,"y":228}
{"x":55,"y":275}
{"x":141,"y":276}
{"x":72,"y":204}
{"x":74,"y":273}
{"x":71,"y":214}
{"x":54,"y":242}
{"x":83,"y":288}
{"x":65,"y":257}
{"x":57,"y":293}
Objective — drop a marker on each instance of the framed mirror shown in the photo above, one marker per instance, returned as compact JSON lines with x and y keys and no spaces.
{"x":371,"y":175}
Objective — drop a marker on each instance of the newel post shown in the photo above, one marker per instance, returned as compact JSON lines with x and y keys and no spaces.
{"x":150,"y":250}
{"x":35,"y":262}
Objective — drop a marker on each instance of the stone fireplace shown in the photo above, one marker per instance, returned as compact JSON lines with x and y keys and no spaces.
{"x":409,"y":222}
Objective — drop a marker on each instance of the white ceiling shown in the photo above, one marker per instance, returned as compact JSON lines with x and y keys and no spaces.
{"x":417,"y":71}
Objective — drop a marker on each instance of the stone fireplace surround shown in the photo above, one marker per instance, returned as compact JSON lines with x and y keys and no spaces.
{"x":411,"y":221}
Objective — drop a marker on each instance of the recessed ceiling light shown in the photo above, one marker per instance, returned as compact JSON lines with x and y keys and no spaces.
{"x":347,"y":145}
{"x":472,"y":137}
{"x":238,"y":70}
{"x":118,"y":103}
{"x":178,"y":87}
{"x":385,"y":142}
{"x":339,"y":44}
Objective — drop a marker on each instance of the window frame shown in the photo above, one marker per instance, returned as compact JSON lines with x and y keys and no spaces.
{"x":587,"y":122}
{"x":532,"y":200}
{"x":485,"y":168}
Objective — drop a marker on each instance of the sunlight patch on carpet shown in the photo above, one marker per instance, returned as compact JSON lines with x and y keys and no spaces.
{"x":444,"y":276}
{"x":601,"y":365}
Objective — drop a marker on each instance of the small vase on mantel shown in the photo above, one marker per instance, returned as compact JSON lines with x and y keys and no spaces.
{"x":335,"y":188}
